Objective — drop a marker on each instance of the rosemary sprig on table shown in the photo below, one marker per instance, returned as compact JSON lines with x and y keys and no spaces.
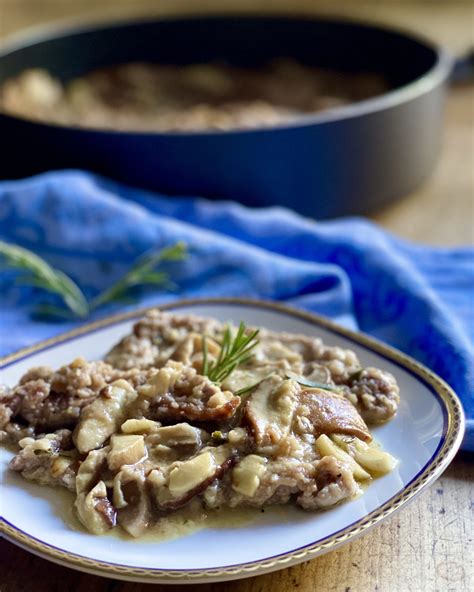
{"x":235,"y":351}
{"x":142,"y":272}
{"x":38,"y":273}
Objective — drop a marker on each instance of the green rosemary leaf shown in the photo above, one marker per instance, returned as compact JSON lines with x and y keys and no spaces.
{"x":73,"y":295}
{"x":249,"y":388}
{"x":40,"y":274}
{"x":235,"y":351}
{"x":312,"y":384}
{"x":153,"y":277}
{"x":246,"y":389}
{"x":142,"y":273}
{"x":48,"y":310}
{"x":36,"y":272}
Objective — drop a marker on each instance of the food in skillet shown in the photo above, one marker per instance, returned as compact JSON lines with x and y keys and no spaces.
{"x":152,"y":97}
{"x":188,"y":412}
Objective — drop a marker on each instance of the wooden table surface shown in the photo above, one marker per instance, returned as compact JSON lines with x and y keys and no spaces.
{"x":428,"y":547}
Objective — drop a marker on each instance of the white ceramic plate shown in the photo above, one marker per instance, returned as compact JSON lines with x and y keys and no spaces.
{"x":424,"y":436}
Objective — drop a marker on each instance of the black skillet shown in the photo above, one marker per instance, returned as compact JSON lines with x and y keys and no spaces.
{"x":348,"y":160}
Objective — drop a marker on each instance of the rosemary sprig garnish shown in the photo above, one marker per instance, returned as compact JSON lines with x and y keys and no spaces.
{"x":246,"y":389}
{"x":235,"y":351}
{"x":38,"y":273}
{"x":312,"y":384}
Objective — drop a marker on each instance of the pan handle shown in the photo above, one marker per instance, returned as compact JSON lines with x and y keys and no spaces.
{"x":463,"y":69}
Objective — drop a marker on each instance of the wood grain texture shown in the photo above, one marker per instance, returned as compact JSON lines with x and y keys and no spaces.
{"x":427,"y":547}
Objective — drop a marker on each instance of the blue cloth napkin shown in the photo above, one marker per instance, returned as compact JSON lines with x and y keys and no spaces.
{"x":419,"y":299}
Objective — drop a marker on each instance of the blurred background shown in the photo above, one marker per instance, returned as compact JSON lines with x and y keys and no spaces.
{"x":438,"y":212}
{"x":448,"y":21}
{"x":425,"y":547}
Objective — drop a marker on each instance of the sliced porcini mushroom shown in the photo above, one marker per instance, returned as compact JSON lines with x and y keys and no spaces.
{"x":60,"y":465}
{"x":247,"y":379}
{"x":328,"y":412}
{"x":156,"y":478}
{"x":161,"y":455}
{"x":189,"y":350}
{"x":237,"y":436}
{"x":185,"y":349}
{"x":95,"y":510}
{"x":160,"y":383}
{"x":118,"y":497}
{"x":178,"y":435}
{"x":140,"y":426}
{"x":91,"y":469}
{"x":177,"y":392}
{"x":246,"y":475}
{"x":326,"y":447}
{"x":375,"y":461}
{"x":187,"y":475}
{"x":317,"y":373}
{"x":269,"y":410}
{"x":131,"y":498}
{"x":102,"y":418}
{"x":187,"y":479}
{"x":126,"y":449}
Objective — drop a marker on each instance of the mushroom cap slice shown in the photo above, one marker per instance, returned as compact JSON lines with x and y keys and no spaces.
{"x":187,"y":479}
{"x":329,"y":413}
{"x":375,"y":461}
{"x":140,"y":426}
{"x":103,"y":416}
{"x":269,"y":410}
{"x":126,"y":449}
{"x":246,"y":475}
{"x":326,"y":447}
{"x":95,"y":510}
{"x":180,"y":435}
{"x":91,"y":469}
{"x":131,"y":495}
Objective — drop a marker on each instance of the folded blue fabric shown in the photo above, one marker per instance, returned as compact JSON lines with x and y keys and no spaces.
{"x":419,"y":299}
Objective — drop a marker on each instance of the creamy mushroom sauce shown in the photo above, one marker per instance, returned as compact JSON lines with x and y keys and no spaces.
{"x":148,"y":443}
{"x":183,"y":522}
